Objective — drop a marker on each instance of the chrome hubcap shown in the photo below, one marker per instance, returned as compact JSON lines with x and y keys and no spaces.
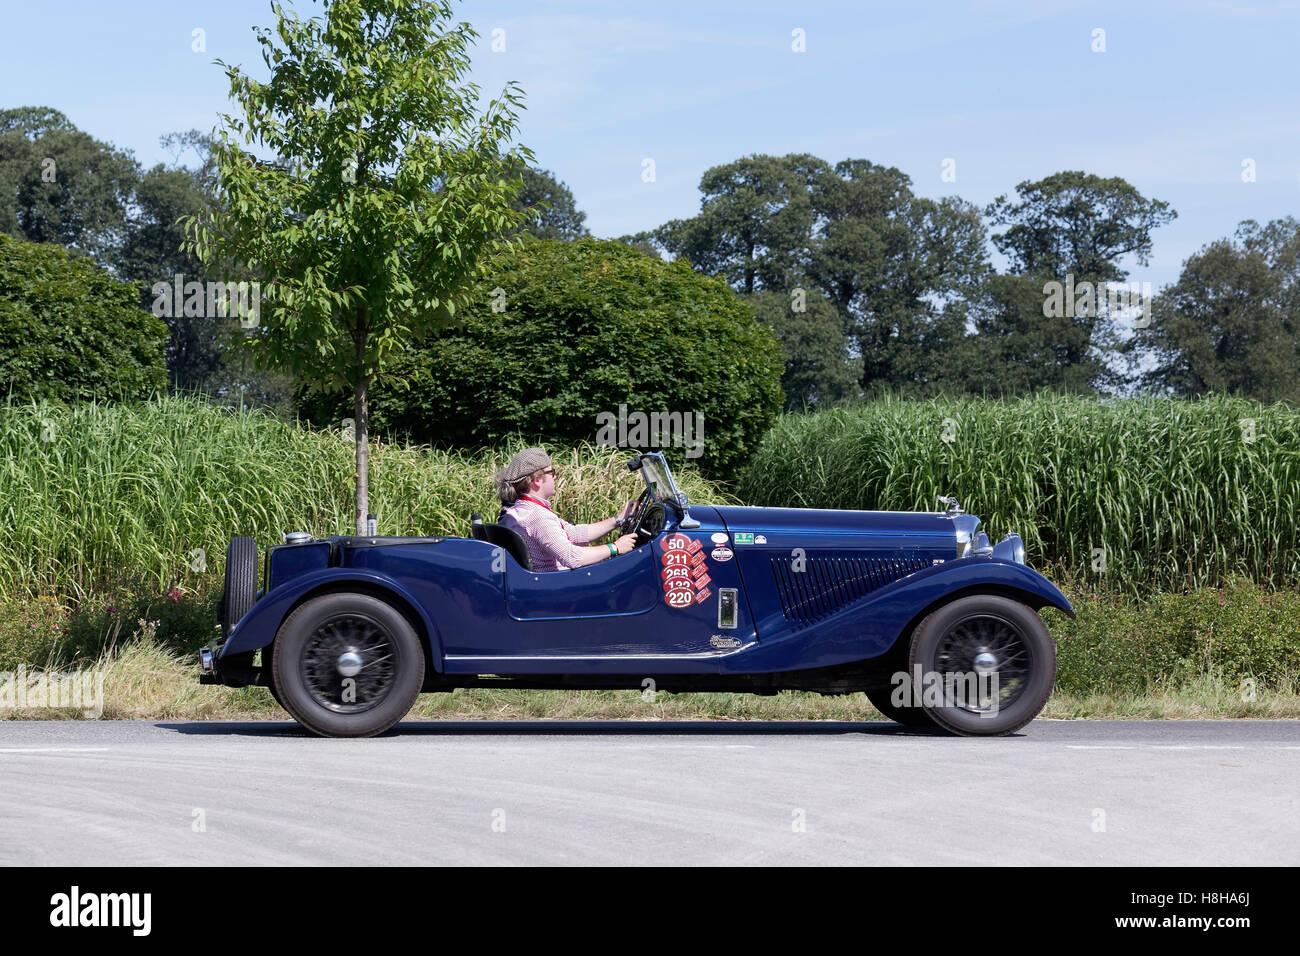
{"x":349,"y":663}
{"x":987,"y":644}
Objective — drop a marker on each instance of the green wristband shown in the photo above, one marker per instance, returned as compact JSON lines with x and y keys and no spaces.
{"x":613,"y":551}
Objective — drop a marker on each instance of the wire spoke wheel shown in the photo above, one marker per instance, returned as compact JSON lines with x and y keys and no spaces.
{"x":986,"y":661}
{"x":988,"y":664}
{"x":349,"y":663}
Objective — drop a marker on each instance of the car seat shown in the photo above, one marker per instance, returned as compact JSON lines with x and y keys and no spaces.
{"x":502,"y":537}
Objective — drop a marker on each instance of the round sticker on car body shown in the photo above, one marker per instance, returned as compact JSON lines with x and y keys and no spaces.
{"x":721,"y":554}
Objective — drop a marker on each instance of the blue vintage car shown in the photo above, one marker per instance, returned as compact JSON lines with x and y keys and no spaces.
{"x":937,"y":626}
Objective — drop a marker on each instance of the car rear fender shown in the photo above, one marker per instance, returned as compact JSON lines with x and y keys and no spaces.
{"x":258,"y":627}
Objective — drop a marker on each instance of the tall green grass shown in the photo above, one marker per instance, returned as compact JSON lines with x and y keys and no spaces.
{"x":94,"y":496}
{"x":1127,"y":495}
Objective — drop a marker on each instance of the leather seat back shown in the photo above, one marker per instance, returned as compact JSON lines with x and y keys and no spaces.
{"x":502,"y":537}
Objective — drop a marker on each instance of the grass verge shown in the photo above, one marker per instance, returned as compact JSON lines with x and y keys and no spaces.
{"x":145,"y":680}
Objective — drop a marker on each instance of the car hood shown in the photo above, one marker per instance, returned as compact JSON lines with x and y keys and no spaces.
{"x":790,"y":521}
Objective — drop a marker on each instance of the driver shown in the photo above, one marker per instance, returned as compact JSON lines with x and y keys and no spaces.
{"x":525,"y":487}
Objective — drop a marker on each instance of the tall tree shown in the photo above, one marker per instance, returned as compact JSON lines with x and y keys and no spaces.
{"x":900,"y":268}
{"x":1075,"y":222}
{"x":1069,"y":227}
{"x":549,"y":202}
{"x":390,"y":192}
{"x":1231,"y":323}
{"x":818,"y":369}
{"x":203,"y":350}
{"x":896,"y":267}
{"x":755,"y":222}
{"x":61,"y":185}
{"x":152,"y":252}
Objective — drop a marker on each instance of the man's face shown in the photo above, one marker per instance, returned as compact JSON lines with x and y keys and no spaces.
{"x":544,"y":484}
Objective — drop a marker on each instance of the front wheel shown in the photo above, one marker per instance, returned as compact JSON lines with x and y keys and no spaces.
{"x":986,"y":665}
{"x":347,"y":665}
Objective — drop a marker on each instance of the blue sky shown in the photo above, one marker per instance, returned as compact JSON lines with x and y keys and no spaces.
{"x":1010,"y":91}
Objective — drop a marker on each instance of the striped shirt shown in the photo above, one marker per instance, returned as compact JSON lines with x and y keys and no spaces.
{"x":553,"y":543}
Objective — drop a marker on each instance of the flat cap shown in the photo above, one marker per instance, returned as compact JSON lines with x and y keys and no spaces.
{"x":524,"y":464}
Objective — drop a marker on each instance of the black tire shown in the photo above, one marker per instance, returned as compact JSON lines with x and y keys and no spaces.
{"x":907,"y":716}
{"x":1023,"y":659}
{"x":270,"y":685}
{"x":240,"y":591}
{"x":307,"y":674}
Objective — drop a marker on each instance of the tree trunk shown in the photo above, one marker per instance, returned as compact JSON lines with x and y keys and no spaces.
{"x":361,"y":420}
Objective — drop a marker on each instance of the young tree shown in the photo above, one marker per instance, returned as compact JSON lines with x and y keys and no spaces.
{"x":387,"y":192}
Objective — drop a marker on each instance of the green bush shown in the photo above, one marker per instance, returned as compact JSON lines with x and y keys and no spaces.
{"x":587,"y":326}
{"x":1120,"y":645}
{"x":69,"y":331}
{"x":1130,"y":495}
{"x":42,"y":632}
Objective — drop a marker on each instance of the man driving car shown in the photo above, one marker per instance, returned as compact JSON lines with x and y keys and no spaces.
{"x":525,"y":487}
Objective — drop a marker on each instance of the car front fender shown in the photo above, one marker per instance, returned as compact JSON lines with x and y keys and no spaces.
{"x":258,"y":627}
{"x":869,"y":628}
{"x":986,"y":573}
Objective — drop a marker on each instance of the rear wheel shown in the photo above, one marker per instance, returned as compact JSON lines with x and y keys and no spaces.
{"x":347,"y":665}
{"x":987,"y":665}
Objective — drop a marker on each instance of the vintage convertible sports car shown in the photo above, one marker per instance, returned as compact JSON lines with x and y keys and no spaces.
{"x":939,"y":628}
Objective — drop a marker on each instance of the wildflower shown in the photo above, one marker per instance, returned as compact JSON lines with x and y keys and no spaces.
{"x":112,"y":610}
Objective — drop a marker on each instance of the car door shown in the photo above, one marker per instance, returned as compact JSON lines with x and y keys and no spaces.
{"x":677,"y":596}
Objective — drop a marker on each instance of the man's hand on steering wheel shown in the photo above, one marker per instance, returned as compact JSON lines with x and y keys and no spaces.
{"x":630,"y":516}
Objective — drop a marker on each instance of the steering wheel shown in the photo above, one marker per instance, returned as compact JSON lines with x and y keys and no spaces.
{"x":650,"y":522}
{"x":646,"y":520}
{"x":633,"y":520}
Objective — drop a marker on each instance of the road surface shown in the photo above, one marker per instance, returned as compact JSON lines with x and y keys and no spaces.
{"x":677,"y":793}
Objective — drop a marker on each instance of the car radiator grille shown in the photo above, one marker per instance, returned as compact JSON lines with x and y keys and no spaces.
{"x":827,"y":584}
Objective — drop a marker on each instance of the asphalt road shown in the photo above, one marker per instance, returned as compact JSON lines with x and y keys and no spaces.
{"x":608,"y":792}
